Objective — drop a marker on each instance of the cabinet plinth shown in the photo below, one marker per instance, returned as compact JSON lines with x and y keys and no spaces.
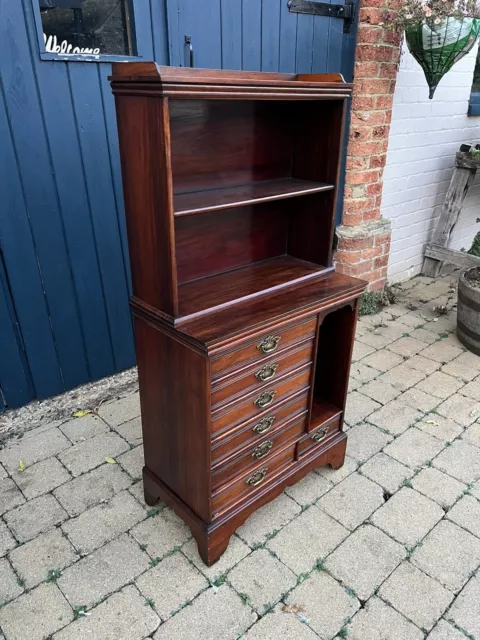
{"x":243,"y":330}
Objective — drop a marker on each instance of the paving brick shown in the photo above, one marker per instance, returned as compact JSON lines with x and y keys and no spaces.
{"x":7,"y":541}
{"x":465,"y":611}
{"x":472,"y":389}
{"x":374,"y":339}
{"x":309,"y":489}
{"x":171,"y":584}
{"x":123,"y":616}
{"x":439,"y":384}
{"x":279,"y":624}
{"x":408,"y":516}
{"x":365,"y":440}
{"x":393,"y":330}
{"x":81,"y":429}
{"x":103,"y":571}
{"x":262,"y":578}
{"x":449,"y":554}
{"x":308,"y":538}
{"x":131,"y":431}
{"x":365,"y":559}
{"x":395,"y":417}
{"x":337,"y":475}
{"x":327,"y":605}
{"x":3,"y":472}
{"x":439,"y":427}
{"x":10,"y":495}
{"x":407,"y":346}
{"x":236,"y":551}
{"x":414,"y":447}
{"x":360,"y":350}
{"x":417,"y":596}
{"x":220,"y":614}
{"x":441,"y":352}
{"x":386,"y":472}
{"x":403,"y":376}
{"x":92,"y":488}
{"x":378,"y":620}
{"x":161,"y":533}
{"x":380,"y":391}
{"x":9,"y":585}
{"x":466,"y":513}
{"x":41,"y":477}
{"x":270,"y":518}
{"x":419,"y":400}
{"x":359,"y":407}
{"x":438,"y":486}
{"x":422,"y":364}
{"x":474,"y":490}
{"x":466,"y":366}
{"x":84,"y":456}
{"x":362,"y":372}
{"x":445,"y":631}
{"x":461,"y":460}
{"x":425,"y":335}
{"x":35,"y":615}
{"x":383,"y":360}
{"x":120,"y":411}
{"x":352,"y":501}
{"x":133,"y":462}
{"x":46,"y":552}
{"x":34,"y":517}
{"x":472,"y":434}
{"x":38,"y":447}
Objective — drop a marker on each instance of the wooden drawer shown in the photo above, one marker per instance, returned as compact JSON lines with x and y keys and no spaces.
{"x":254,"y":431}
{"x":263,"y":346}
{"x":262,"y":374}
{"x":263,"y":450}
{"x":253,"y":481}
{"x":316,"y":439}
{"x":260,"y":403}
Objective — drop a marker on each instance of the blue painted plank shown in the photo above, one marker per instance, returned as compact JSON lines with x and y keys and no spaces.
{"x":304,"y":57}
{"x":15,"y":386}
{"x":288,"y":39}
{"x":89,"y":113}
{"x":251,"y":35}
{"x":271,"y":34}
{"x":201,"y":21}
{"x":321,"y":44}
{"x":231,"y":34}
{"x":143,"y":29}
{"x":175,"y":47}
{"x":27,"y":126}
{"x":159,"y":31}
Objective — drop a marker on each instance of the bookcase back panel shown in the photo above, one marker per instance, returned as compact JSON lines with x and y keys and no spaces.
{"x":216,"y":143}
{"x":222,"y":240}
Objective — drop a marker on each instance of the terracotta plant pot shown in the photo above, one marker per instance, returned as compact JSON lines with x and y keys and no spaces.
{"x":468,"y":310}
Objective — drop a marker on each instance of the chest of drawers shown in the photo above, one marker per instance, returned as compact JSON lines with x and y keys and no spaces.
{"x":243,"y":329}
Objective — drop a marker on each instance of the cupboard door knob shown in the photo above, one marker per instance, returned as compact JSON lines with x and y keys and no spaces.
{"x":257,"y":477}
{"x":265,"y":399}
{"x":320,"y":434}
{"x":264,"y":425}
{"x":262,"y":450}
{"x":267,"y":372}
{"x":269,"y":344}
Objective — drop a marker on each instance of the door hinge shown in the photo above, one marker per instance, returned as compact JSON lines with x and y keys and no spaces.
{"x":344,"y":11}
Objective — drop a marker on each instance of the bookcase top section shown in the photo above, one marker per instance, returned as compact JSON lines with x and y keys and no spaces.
{"x":147,"y":78}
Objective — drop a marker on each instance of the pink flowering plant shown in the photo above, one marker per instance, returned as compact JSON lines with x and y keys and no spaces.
{"x":413,"y":12}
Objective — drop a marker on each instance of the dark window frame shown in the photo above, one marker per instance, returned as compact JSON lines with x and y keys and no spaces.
{"x":474,"y":103}
{"x":88,"y":57}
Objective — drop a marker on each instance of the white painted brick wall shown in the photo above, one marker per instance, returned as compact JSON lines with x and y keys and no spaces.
{"x":424,"y":137}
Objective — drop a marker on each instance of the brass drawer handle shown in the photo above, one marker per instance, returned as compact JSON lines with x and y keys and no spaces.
{"x":264,"y":425}
{"x":267,"y":372}
{"x":257,"y":477}
{"x":265,"y":399}
{"x":269,"y":344}
{"x":262,"y":449}
{"x":320,"y":434}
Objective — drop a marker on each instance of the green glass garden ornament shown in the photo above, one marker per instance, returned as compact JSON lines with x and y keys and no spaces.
{"x":437,"y":47}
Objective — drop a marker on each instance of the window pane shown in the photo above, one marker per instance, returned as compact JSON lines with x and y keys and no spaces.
{"x":86,"y":26}
{"x":476,"y":76}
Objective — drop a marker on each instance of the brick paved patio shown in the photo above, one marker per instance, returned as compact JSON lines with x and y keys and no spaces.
{"x":386,"y":548}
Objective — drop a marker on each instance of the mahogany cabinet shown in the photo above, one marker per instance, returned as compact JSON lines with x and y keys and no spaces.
{"x":243,"y":330}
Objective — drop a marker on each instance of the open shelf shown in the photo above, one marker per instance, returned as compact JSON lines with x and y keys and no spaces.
{"x":217,"y":291}
{"x":323,"y":413}
{"x":229,"y":197}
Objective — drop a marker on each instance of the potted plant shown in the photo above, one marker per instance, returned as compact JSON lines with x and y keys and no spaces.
{"x":438,"y":33}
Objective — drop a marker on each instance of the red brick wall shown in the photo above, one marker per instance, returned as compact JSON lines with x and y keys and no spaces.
{"x":364,"y":239}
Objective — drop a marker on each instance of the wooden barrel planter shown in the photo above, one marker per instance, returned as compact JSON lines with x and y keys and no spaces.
{"x":468,"y":310}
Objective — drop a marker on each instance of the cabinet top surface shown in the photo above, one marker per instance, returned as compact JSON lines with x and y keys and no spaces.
{"x":152,"y":73}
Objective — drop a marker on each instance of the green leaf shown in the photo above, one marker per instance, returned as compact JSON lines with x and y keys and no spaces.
{"x":21,"y":465}
{"x":82,"y":414}
{"x":110,"y":460}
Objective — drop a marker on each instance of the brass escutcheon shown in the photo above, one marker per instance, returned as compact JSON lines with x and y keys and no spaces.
{"x":320,"y":434}
{"x":262,"y":449}
{"x":264,"y":399}
{"x":267,"y":372}
{"x":257,"y":477}
{"x":269,"y":344}
{"x":264,"y":425}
